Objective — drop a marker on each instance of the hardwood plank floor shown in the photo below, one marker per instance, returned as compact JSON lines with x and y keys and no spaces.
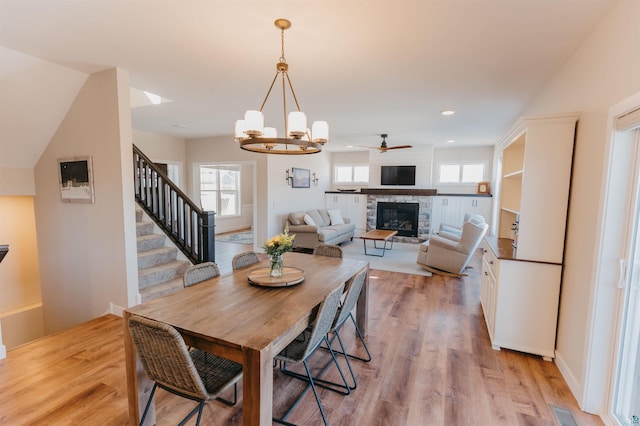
{"x":433,"y":365}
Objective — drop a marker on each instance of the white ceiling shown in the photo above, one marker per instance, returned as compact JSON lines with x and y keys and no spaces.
{"x":366,"y":67}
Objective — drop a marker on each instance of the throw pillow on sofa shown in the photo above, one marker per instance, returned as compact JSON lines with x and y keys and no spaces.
{"x":296,"y":218}
{"x":336,"y":217}
{"x":308,"y":220}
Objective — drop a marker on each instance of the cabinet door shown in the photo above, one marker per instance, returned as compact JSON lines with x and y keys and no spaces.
{"x":445,"y":209}
{"x":332,"y":201}
{"x":356,"y":207}
{"x":476,"y":205}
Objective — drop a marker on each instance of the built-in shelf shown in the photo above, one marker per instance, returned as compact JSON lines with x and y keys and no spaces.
{"x":506,"y":209}
{"x":515,"y":174}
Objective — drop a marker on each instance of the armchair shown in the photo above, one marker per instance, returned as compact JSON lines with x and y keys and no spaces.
{"x":453,"y":232}
{"x":443,"y":255}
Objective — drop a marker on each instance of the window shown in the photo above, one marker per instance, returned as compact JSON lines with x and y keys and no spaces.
{"x":220,"y":189}
{"x":351,"y":173}
{"x":462,"y":173}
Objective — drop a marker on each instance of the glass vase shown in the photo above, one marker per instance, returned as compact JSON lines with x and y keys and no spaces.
{"x":276,"y":265}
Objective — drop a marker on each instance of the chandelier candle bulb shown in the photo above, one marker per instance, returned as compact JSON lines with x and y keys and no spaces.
{"x":320,"y":131}
{"x":297,"y":123}
{"x":254,"y":122}
{"x":269,"y":132}
{"x":240,"y":129}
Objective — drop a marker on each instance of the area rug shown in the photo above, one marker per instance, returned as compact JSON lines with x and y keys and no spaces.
{"x":245,"y":237}
{"x":402,"y":258}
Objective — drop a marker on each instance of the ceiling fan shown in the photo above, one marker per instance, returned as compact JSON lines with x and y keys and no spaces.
{"x":383,"y":146}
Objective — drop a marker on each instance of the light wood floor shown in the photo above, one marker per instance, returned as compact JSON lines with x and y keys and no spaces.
{"x":433,"y":365}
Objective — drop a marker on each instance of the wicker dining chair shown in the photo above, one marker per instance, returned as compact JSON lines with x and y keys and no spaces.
{"x":306,"y":344}
{"x":243,"y":260}
{"x":200,"y":272}
{"x":195,"y":375}
{"x":352,"y":291}
{"x":329,"y":250}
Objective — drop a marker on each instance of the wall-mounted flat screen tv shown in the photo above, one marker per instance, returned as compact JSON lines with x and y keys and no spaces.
{"x":398,"y":175}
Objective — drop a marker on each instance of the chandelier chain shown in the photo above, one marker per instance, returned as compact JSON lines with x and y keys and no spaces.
{"x":282,"y":58}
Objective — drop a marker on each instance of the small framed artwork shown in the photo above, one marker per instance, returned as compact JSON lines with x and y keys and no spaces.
{"x":483,"y":187}
{"x":301,"y":178}
{"x":75,"y":176}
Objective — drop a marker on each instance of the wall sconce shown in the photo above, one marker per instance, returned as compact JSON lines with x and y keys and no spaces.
{"x":315,"y":179}
{"x":289,"y":178}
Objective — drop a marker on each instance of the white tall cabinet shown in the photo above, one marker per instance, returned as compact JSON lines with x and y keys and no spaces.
{"x":352,"y":205}
{"x":522,"y":265}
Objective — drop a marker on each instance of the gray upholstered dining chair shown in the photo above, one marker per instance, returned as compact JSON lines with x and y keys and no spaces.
{"x":306,"y":344}
{"x":195,"y":375}
{"x":243,"y":260}
{"x":200,"y":272}
{"x":329,"y":250}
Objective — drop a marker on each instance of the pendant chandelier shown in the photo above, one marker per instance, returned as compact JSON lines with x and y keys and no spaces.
{"x":253,"y":136}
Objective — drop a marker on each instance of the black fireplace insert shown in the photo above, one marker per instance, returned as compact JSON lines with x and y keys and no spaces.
{"x":401,"y":217}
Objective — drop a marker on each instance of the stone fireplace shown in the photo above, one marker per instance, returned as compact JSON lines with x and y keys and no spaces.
{"x":422,"y":197}
{"x":401,"y":217}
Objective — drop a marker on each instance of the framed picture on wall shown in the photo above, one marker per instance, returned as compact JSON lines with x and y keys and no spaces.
{"x":75,"y":177}
{"x":301,"y":178}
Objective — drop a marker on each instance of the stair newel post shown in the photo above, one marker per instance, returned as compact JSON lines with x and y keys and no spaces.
{"x":208,"y":236}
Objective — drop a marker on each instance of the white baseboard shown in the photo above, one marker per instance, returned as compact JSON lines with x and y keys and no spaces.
{"x":115,"y":309}
{"x":3,"y":351}
{"x":568,"y":377}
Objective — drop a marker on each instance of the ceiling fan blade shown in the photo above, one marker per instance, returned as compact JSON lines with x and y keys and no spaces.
{"x":400,"y":147}
{"x":370,"y":147}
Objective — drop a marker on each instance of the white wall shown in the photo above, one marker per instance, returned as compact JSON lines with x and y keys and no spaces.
{"x":419,"y":156}
{"x":283,"y":199}
{"x":603,"y":71}
{"x":163,"y":149}
{"x":88,"y":258}
{"x":19,"y":273}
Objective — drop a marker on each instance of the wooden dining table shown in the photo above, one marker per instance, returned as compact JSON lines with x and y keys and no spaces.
{"x":244,"y":322}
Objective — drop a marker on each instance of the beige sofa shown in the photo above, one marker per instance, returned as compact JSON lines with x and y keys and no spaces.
{"x":316,"y":226}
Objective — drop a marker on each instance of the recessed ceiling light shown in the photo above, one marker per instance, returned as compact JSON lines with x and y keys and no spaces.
{"x":450,"y":141}
{"x":349,"y":146}
{"x":448,"y":112}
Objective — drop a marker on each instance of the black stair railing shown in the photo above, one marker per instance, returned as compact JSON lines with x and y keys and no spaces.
{"x":187,"y":225}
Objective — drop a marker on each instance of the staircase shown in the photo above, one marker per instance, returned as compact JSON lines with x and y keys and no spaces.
{"x":159,"y":270}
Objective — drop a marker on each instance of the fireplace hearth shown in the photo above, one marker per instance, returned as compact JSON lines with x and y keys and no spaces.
{"x":401,"y":217}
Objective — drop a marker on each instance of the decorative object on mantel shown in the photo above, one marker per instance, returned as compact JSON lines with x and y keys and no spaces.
{"x":315,"y":179}
{"x":483,"y":187}
{"x":75,"y":176}
{"x":299,"y":178}
{"x":297,"y":139}
{"x":276,"y":247}
{"x":383,"y":146}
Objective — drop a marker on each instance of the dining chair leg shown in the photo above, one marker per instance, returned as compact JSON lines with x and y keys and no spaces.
{"x":146,"y":408}
{"x":364,"y":344}
{"x":346,"y":358}
{"x":325,"y":384}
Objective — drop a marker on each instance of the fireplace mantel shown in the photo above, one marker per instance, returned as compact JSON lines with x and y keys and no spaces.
{"x":399,"y":191}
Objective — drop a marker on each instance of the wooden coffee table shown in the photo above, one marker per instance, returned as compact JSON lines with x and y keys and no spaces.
{"x":378,"y":235}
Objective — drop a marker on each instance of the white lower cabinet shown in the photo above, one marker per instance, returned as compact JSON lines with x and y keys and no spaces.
{"x":450,"y":209}
{"x":352,"y":206}
{"x":520,"y":303}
